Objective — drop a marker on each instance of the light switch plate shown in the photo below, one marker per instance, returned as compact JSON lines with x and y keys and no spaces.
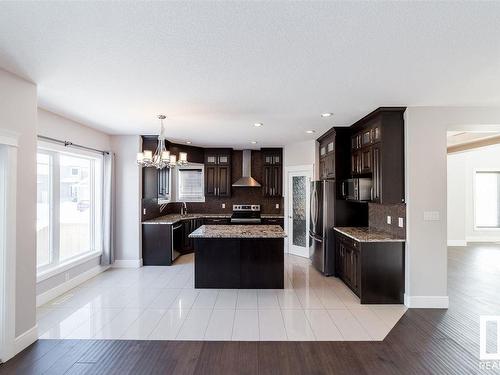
{"x":277,"y":205}
{"x":223,"y":205}
{"x":389,"y":220}
{"x":144,"y":211}
{"x":401,"y":222}
{"x":431,"y":215}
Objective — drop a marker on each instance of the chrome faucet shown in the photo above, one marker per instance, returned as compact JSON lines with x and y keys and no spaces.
{"x":184,"y":209}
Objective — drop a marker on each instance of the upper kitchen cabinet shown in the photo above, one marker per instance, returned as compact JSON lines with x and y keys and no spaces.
{"x":272,"y":172}
{"x":334,"y":153}
{"x":218,"y":172}
{"x":327,"y":155}
{"x":377,"y":151}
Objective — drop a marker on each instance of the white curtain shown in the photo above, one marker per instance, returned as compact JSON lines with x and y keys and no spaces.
{"x":108,"y":210}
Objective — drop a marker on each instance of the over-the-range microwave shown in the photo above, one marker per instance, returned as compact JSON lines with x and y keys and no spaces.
{"x":357,"y":189}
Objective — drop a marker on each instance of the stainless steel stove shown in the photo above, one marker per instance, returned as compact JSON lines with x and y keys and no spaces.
{"x":246,"y":214}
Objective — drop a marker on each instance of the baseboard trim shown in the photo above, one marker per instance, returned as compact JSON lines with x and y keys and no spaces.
{"x":24,"y":340}
{"x":457,"y":243}
{"x":50,"y":294}
{"x":426,"y":302}
{"x":126,"y":263}
{"x":483,"y":239}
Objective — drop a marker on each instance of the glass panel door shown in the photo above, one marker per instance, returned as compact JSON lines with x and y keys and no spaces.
{"x":298,"y":212}
{"x":299,"y":217}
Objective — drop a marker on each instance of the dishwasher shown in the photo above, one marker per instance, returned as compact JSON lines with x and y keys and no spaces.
{"x":177,"y":240}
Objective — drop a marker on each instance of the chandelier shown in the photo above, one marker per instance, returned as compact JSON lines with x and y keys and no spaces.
{"x":161,"y":158}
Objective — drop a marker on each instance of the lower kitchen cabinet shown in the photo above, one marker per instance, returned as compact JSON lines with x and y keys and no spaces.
{"x":216,"y":221}
{"x":157,"y":244}
{"x":161,"y":241}
{"x":374,"y":271}
{"x":273,"y":221}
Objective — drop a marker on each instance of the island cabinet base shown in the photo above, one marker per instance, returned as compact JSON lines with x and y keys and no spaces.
{"x":247,"y":263}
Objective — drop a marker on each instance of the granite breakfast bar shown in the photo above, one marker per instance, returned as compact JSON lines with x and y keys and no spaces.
{"x":239,"y":256}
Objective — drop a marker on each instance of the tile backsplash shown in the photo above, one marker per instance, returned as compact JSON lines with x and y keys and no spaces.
{"x":377,"y":218}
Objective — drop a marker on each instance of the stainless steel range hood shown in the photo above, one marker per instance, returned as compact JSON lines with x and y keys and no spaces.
{"x":246,"y":179}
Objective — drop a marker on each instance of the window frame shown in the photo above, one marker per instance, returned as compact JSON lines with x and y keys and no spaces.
{"x":56,"y":264}
{"x":474,"y":203}
{"x":178,"y":196}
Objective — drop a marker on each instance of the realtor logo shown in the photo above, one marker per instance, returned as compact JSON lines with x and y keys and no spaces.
{"x":483,"y":336}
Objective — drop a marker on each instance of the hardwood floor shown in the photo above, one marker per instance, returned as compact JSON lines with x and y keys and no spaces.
{"x":423,"y":342}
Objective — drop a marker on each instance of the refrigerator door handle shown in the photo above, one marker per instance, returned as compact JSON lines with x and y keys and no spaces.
{"x":314,"y":204}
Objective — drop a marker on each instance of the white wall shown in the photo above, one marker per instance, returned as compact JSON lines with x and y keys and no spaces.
{"x":128,"y":250}
{"x":301,"y":153}
{"x":456,"y":200}
{"x":61,"y":128}
{"x":426,"y":190}
{"x":461,"y":169}
{"x":18,"y":106}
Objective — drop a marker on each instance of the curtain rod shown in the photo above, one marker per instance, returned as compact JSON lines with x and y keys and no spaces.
{"x":71,"y":144}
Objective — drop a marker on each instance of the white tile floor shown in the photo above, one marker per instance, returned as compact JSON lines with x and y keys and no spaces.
{"x":160,"y":303}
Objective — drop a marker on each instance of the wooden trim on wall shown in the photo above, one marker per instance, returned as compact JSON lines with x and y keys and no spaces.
{"x":474,"y":144}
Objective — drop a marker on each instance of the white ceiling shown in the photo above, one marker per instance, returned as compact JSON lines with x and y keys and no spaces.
{"x":217,"y":68}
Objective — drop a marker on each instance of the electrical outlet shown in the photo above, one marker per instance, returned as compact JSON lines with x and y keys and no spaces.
{"x":144,"y":211}
{"x":431,"y":215}
{"x":223,"y":205}
{"x":401,"y":222}
{"x":389,"y":220}
{"x":277,"y":206}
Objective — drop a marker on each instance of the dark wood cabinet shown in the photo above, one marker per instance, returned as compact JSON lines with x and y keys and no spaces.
{"x":218,"y":172}
{"x":374,"y":271}
{"x":272,"y":156}
{"x":347,"y":264}
{"x":377,"y":151}
{"x":376,"y":173}
{"x":272,"y":172}
{"x":356,"y":162}
{"x":274,"y":221}
{"x":327,"y":156}
{"x":216,"y":221}
{"x":366,"y":160}
{"x":157,"y":244}
{"x":189,"y":226}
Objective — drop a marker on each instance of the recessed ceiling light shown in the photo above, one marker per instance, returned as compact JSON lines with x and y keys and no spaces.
{"x":254,"y":142}
{"x":258,"y":124}
{"x":310,"y":131}
{"x":327,"y":114}
{"x":188,"y":142}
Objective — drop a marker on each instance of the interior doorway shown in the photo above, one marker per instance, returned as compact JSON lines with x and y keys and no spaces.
{"x":297,"y":211}
{"x":473,"y":173}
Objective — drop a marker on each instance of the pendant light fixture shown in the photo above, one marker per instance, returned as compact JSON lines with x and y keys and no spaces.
{"x":162,"y":157}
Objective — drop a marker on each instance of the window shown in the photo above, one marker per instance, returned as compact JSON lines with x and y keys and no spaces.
{"x":190,"y":184}
{"x":487,"y":199}
{"x":69,"y":213}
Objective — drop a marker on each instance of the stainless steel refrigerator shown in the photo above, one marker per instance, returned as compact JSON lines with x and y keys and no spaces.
{"x":322,"y":217}
{"x":328,"y":209}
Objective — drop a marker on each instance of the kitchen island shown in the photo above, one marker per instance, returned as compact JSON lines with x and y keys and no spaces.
{"x":239,"y":256}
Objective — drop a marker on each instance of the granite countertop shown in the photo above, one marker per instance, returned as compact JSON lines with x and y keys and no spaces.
{"x":366,"y":234}
{"x":238,"y":231}
{"x":174,"y":218}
